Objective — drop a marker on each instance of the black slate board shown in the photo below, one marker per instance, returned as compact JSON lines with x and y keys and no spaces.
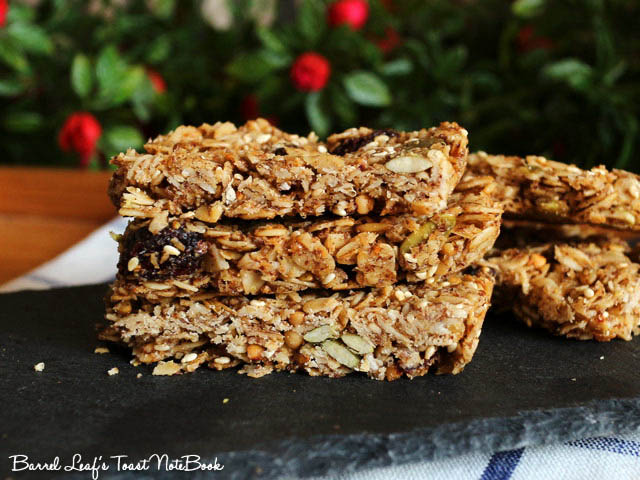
{"x":524,"y":387}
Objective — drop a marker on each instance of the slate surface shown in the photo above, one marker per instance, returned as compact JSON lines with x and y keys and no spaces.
{"x":523,"y":387}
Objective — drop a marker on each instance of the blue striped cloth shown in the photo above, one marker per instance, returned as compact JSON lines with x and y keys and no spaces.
{"x":615,"y":457}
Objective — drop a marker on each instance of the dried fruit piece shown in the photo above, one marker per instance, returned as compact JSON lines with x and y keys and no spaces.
{"x":356,"y":343}
{"x":341,"y":353}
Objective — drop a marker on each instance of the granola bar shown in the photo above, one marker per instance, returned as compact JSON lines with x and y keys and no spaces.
{"x":257,"y":171}
{"x":534,"y":188}
{"x":583,"y":290}
{"x":523,"y":233}
{"x":386,"y":332}
{"x":181,"y":256}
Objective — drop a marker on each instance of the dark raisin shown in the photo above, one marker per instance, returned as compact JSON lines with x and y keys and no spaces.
{"x":280,"y":151}
{"x":350,"y":145}
{"x":142,"y":244}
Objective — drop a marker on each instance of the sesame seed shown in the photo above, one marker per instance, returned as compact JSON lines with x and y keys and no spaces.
{"x":225,"y":400}
{"x":133,"y":263}
{"x":189,"y":357}
{"x":170,"y":250}
{"x":322,"y":149}
{"x":101,"y":350}
{"x":222,"y":360}
{"x":329,"y":278}
{"x":589,"y":293}
{"x":162,"y":348}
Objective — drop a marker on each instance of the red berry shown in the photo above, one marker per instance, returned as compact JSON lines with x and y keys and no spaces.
{"x":390,"y":40}
{"x":353,"y":13}
{"x":527,"y":40}
{"x":4,"y":9}
{"x":80,"y":134}
{"x":157,"y":82}
{"x":310,"y":72}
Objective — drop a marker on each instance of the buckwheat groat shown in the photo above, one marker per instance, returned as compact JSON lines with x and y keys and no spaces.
{"x":535,"y":188}
{"x":385,"y":333}
{"x":259,"y":172}
{"x":580,"y":290}
{"x":255,"y":257}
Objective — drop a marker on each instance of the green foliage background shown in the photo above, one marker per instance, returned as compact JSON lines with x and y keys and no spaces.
{"x":577,"y":99}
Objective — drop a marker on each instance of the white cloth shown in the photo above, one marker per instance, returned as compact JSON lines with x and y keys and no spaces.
{"x":94,"y":259}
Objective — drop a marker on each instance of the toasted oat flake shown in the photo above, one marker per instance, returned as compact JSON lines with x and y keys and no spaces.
{"x":581,"y":290}
{"x":534,"y":188}
{"x":369,"y":331}
{"x":235,"y":170}
{"x":166,"y":368}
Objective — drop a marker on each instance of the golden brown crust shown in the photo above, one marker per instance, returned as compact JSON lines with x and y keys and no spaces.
{"x":581,"y":290}
{"x":385,"y":333}
{"x":334,"y":253}
{"x":534,"y":188}
{"x":259,"y":172}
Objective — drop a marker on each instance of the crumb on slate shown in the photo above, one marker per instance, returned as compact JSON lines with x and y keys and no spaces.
{"x":101,"y":350}
{"x":113,"y":371}
{"x":38,"y":367}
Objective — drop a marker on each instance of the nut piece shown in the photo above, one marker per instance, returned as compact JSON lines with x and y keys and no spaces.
{"x":251,"y":281}
{"x":319,"y":334}
{"x":408,"y":164}
{"x":293,"y":339}
{"x":254,"y":352}
{"x":166,"y":368}
{"x":209,"y":213}
{"x":364,"y":204}
{"x":356,"y":343}
{"x":417,"y":237}
{"x":296,"y":318}
{"x":320,"y":305}
{"x":341,"y":353}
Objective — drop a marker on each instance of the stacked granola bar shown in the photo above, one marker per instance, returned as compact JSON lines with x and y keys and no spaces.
{"x":565,"y":261}
{"x":254,"y":247}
